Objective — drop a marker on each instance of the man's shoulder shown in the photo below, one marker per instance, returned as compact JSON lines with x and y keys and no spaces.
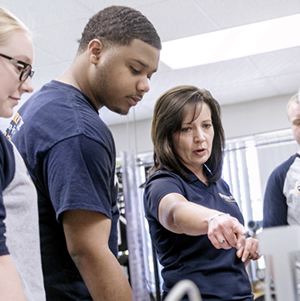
{"x":284,"y":166}
{"x":49,"y":109}
{"x":281,"y":170}
{"x":52,"y":92}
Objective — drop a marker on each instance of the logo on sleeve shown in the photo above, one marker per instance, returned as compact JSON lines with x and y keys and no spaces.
{"x":14,"y":126}
{"x":228,"y":198}
{"x":298,"y":187}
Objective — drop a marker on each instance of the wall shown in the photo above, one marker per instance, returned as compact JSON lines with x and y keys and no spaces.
{"x":239,"y":120}
{"x":255,"y":117}
{"x":133,"y":136}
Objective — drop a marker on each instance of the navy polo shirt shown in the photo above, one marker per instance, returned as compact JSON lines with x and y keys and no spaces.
{"x":219,"y":274}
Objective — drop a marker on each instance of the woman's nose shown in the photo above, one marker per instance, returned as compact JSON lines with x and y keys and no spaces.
{"x":27,"y":86}
{"x":199,"y":136}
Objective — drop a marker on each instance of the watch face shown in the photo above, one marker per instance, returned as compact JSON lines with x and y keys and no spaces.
{"x":260,"y":273}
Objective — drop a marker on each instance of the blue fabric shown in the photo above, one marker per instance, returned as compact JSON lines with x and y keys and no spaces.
{"x":7,"y":170}
{"x":219,"y":274}
{"x":275,"y":209}
{"x":70,"y":155}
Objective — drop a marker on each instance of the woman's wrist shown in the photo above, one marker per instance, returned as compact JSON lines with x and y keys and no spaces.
{"x":216,"y":215}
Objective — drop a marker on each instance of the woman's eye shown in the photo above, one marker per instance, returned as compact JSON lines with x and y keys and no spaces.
{"x":20,"y":68}
{"x":207,"y":126}
{"x":185,"y":129}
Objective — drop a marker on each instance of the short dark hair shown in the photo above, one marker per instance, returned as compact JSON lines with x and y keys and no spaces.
{"x":119,"y":25}
{"x":169,"y":112}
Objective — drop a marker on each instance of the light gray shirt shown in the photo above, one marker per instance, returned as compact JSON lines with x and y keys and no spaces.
{"x":22,"y":230}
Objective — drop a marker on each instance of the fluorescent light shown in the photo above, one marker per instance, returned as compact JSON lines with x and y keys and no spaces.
{"x":232,"y":43}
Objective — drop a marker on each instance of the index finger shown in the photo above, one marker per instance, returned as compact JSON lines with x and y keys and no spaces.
{"x":241,"y":241}
{"x":236,"y":237}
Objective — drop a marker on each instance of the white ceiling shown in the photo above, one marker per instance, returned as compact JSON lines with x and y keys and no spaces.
{"x":57,"y":25}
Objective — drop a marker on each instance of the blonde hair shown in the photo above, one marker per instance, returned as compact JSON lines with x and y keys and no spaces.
{"x":9,"y":24}
{"x":293,"y":99}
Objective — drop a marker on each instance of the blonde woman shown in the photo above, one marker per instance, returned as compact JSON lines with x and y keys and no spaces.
{"x":20,"y":264}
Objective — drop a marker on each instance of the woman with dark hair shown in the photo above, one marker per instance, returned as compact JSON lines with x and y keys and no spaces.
{"x":195,"y":223}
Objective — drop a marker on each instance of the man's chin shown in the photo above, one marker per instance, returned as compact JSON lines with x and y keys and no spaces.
{"x":120,"y":111}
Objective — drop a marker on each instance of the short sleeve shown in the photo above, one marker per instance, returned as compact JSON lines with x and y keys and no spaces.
{"x":80,"y":175}
{"x":7,"y":169}
{"x":3,"y":247}
{"x":156,"y":188}
{"x":275,"y":207}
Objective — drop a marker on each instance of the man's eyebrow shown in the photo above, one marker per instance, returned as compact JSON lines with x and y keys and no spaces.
{"x":143,"y":64}
{"x":140,"y":62}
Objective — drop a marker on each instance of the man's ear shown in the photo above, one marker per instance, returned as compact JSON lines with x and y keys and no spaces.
{"x":94,"y":48}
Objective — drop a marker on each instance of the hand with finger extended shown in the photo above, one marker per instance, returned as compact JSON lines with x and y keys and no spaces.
{"x":225,"y":232}
{"x":249,"y":250}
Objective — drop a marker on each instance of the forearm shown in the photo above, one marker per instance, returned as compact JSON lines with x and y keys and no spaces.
{"x":87,"y":235}
{"x":193,"y":219}
{"x":10,"y":286}
{"x":180,"y":216}
{"x":101,"y":272}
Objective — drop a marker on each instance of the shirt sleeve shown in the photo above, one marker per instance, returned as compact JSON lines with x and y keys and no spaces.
{"x":275,"y":207}
{"x":156,"y":188}
{"x":7,"y":169}
{"x":3,"y":247}
{"x":80,"y":175}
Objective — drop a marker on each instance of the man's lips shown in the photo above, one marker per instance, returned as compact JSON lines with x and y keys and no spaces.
{"x":133,"y":100}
